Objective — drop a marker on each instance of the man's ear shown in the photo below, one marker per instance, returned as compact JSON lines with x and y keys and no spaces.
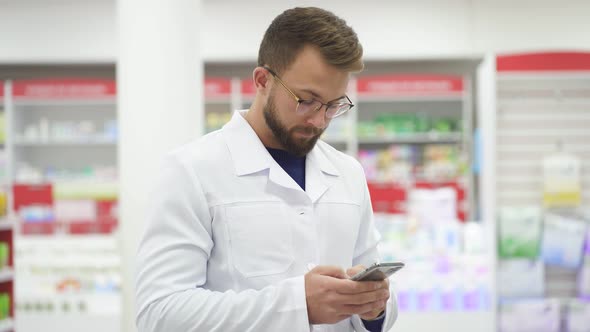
{"x":262,"y":80}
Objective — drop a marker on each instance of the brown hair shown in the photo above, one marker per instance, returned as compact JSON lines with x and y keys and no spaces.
{"x":297,"y":27}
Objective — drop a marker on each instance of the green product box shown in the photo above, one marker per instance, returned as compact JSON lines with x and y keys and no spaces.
{"x":520,"y":232}
{"x":422,"y":124}
{"x":4,"y":306}
{"x":406,"y":124}
{"x":442,"y":125}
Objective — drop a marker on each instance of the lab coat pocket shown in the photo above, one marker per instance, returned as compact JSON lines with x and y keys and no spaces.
{"x":260,"y":238}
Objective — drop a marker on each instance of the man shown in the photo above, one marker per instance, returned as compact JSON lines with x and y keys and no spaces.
{"x":252,"y":225}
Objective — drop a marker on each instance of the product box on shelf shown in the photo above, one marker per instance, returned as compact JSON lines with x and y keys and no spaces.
{"x":44,"y":210}
{"x":541,"y":315}
{"x":442,"y":274}
{"x":562,"y":180}
{"x":584,"y":274}
{"x":520,"y":231}
{"x":563,"y":240}
{"x":577,"y":316}
{"x":521,"y":278}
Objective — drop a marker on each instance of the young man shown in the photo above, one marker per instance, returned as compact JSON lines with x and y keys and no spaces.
{"x":253,"y":225}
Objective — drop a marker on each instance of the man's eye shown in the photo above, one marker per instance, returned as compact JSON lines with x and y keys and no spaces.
{"x":308,"y":102}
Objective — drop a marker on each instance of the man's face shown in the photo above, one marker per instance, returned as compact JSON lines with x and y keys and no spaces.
{"x":309,"y":77}
{"x":298,"y":139}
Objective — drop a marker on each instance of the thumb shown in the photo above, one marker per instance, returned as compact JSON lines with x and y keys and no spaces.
{"x":355,"y":269}
{"x":330,"y":271}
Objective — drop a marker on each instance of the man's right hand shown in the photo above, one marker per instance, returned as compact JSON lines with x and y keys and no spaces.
{"x":332,"y":297}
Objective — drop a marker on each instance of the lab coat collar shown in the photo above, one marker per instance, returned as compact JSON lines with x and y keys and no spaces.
{"x":250,"y":156}
{"x":317,"y":156}
{"x":320,"y":174}
{"x":247,"y":151}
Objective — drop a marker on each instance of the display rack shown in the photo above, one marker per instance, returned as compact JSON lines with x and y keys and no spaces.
{"x":61,"y":160}
{"x":70,"y":283}
{"x":417,"y":113}
{"x":543,"y":110}
{"x":62,"y":155}
{"x":442,"y":104}
{"x":222,"y":97}
{"x":6,"y":230}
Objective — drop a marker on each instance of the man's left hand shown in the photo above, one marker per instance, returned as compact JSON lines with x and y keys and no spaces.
{"x":377,"y":312}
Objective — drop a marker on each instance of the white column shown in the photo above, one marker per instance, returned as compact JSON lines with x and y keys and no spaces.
{"x":486,"y":113}
{"x":159,"y":77}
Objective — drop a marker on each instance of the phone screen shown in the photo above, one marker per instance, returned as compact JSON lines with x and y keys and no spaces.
{"x":378,"y":272}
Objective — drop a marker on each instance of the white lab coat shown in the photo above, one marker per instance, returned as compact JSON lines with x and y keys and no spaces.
{"x":230,"y":236}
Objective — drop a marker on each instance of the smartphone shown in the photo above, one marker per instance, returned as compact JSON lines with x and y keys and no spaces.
{"x":377,"y":272}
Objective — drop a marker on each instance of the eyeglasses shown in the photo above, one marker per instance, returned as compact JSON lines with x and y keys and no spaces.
{"x":305,"y":106}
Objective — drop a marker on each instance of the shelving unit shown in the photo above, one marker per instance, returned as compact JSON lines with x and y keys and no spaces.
{"x":426,"y":138}
{"x":6,"y":227}
{"x":414,"y":114}
{"x":7,"y":325}
{"x":71,"y":283}
{"x":434,"y":97}
{"x":64,"y":131}
{"x":442,"y":104}
{"x":222,"y":97}
{"x":543,"y":101}
{"x":62,"y":182}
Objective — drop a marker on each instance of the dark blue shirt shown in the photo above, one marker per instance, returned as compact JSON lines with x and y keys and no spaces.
{"x":295,"y":167}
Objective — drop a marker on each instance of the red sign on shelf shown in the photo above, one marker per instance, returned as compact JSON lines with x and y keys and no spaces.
{"x":388,"y":197}
{"x":36,"y":194}
{"x":546,"y":61}
{"x":393,"y":197}
{"x":410,"y":85}
{"x":39,"y":228}
{"x":102,"y":226}
{"x":78,"y":88}
{"x":217,"y":87}
{"x":457,"y":186}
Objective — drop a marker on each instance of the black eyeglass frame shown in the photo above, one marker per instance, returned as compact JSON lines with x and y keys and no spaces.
{"x":342,"y":107}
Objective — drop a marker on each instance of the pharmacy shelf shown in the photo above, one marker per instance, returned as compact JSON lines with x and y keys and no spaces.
{"x":94,"y":312}
{"x":335,"y":140}
{"x":422,"y":138}
{"x":62,"y":102}
{"x":7,"y":325}
{"x":5,"y":224}
{"x":215,"y":101}
{"x":6,"y":274}
{"x":466,"y":321}
{"x":410,"y":99}
{"x":90,"y":142}
{"x":67,"y":322}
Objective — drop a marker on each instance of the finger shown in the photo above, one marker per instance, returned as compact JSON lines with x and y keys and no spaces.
{"x":355,"y":287}
{"x":363,"y":309}
{"x":372,"y":315}
{"x":331,"y":271}
{"x":363,"y":298}
{"x":355,"y":269}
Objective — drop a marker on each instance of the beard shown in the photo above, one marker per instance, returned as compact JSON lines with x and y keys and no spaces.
{"x":296,"y":146}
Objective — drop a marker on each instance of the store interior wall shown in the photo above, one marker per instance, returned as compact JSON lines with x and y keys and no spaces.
{"x":67,"y":31}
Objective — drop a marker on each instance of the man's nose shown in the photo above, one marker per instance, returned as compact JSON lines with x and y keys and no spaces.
{"x":318,"y":118}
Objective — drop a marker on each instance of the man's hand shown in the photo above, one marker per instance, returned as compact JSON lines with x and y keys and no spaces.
{"x":331,"y":297}
{"x":377,"y":312}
